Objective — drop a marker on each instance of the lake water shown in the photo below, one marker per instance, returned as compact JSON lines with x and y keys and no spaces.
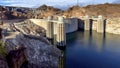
{"x":92,"y":50}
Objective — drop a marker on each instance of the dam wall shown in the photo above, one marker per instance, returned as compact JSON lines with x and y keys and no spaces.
{"x":56,"y":29}
{"x":100,"y":24}
{"x":71,"y":24}
{"x":94,"y":26}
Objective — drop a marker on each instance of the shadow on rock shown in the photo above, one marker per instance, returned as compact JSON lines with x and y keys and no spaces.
{"x":16,"y":58}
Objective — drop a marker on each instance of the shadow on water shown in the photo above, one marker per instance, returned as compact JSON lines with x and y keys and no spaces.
{"x":70,"y":37}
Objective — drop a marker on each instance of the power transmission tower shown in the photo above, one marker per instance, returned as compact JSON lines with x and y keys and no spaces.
{"x":77,"y":3}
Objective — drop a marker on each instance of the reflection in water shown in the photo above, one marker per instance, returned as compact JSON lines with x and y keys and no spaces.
{"x":62,"y":60}
{"x":87,"y":38}
{"x":94,"y":40}
{"x":71,"y":36}
{"x":93,"y":50}
{"x":100,"y":41}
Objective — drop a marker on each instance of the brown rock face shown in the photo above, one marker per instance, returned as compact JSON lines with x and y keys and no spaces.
{"x":16,"y":58}
{"x":45,"y":11}
{"x":106,"y":10}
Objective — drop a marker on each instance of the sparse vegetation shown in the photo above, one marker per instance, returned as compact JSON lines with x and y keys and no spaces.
{"x":3,"y":51}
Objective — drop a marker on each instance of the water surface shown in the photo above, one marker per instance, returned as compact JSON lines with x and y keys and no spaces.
{"x":93,"y":50}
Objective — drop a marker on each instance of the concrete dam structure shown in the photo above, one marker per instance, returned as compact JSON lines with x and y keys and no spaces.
{"x":57,"y":29}
{"x":71,"y":24}
{"x":98,"y":24}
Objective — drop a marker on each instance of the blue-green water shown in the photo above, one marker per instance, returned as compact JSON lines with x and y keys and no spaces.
{"x":93,"y":50}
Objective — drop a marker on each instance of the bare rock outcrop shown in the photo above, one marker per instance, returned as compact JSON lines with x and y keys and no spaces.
{"x":28,"y":28}
{"x":113,"y":25}
{"x":39,"y":53}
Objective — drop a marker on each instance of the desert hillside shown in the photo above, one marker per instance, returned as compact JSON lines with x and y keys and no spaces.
{"x":44,"y":11}
{"x":17,"y":13}
{"x":107,"y":10}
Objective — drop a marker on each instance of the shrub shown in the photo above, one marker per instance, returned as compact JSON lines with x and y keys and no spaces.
{"x":3,"y":51}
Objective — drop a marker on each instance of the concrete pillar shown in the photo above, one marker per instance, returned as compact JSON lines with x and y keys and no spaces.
{"x":55,"y":33}
{"x":61,"y":35}
{"x":100,"y":24}
{"x":36,"y":16}
{"x":12,"y":9}
{"x":100,"y":41}
{"x":8,"y":8}
{"x":87,"y":23}
{"x":50,"y":31}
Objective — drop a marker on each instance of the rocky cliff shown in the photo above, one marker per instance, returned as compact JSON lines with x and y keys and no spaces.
{"x":38,"y":53}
